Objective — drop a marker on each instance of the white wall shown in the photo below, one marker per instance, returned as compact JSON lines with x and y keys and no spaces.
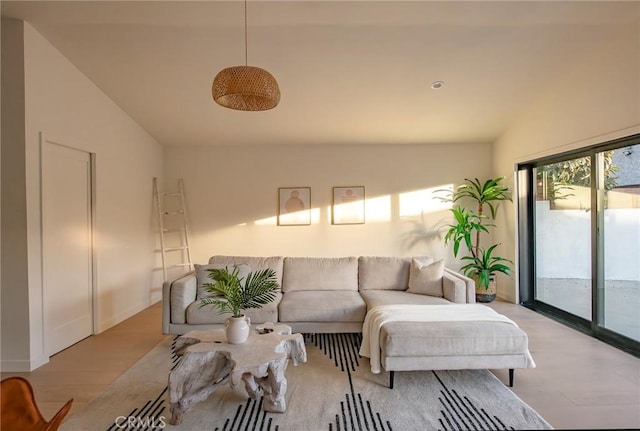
{"x":594,"y":101}
{"x":231,"y":195}
{"x":67,"y":108}
{"x":14,"y":298}
{"x":564,"y":243}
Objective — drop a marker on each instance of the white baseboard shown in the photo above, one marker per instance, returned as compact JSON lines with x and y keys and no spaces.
{"x":22,"y":365}
{"x":121,"y":316}
{"x":507,"y":297}
{"x":155,"y":297}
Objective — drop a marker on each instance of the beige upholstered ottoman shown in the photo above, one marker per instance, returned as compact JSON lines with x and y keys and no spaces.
{"x":412,"y":346}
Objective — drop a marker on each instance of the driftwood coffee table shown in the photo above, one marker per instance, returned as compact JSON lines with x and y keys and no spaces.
{"x":209,"y":361}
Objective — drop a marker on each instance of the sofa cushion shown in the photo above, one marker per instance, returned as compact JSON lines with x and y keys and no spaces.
{"x":202,"y":275}
{"x":322,"y":306}
{"x":393,"y":297}
{"x":426,"y":279}
{"x":255,"y":263}
{"x":412,"y":339}
{"x":386,"y":272}
{"x":389,"y":273}
{"x":320,"y":273}
{"x":197,"y":315}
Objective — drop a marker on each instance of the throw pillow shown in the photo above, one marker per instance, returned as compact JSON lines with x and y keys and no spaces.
{"x":202,"y":276}
{"x":426,"y":279}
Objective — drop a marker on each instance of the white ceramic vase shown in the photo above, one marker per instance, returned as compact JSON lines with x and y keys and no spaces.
{"x":237,"y":329}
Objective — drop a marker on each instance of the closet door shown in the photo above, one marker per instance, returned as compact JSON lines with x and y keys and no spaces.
{"x":66,"y":246}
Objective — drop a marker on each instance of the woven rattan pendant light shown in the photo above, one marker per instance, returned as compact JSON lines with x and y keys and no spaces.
{"x":245,"y":88}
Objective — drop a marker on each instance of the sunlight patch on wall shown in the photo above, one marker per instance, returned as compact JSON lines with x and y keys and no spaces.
{"x":273,"y":221}
{"x":424,"y":201}
{"x":378,"y":209}
{"x":381,"y":209}
{"x":315,"y":215}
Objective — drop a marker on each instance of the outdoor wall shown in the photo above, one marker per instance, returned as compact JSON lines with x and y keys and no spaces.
{"x":564,"y":251}
{"x":66,"y":107}
{"x":232,"y":199}
{"x":595,"y":100}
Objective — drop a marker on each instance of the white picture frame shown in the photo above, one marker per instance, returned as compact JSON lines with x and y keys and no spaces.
{"x":294,"y":206}
{"x":348,"y":205}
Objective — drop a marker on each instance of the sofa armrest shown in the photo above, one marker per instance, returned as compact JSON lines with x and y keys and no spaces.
{"x":469,"y":287}
{"x":177,"y":295}
{"x":454,"y":289}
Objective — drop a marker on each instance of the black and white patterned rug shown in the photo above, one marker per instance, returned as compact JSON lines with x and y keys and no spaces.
{"x":334,"y":390}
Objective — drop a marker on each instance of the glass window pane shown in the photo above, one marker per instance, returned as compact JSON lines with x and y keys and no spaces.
{"x":563,"y":235}
{"x":620,"y":189}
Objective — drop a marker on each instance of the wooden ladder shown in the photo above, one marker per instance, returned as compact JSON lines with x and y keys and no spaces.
{"x":178,"y":225}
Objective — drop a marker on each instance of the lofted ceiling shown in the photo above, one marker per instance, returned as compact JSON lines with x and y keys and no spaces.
{"x":350,"y":72}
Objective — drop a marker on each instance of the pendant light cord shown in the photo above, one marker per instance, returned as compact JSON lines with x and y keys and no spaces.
{"x":245,"y":35}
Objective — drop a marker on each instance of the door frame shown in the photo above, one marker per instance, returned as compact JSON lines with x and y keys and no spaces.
{"x":44,"y":140}
{"x":526,"y":245}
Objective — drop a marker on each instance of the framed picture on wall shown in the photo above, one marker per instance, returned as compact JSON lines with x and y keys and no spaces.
{"x":348,"y":205}
{"x":294,"y":206}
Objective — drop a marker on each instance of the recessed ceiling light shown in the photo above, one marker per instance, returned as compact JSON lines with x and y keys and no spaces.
{"x":437,"y":85}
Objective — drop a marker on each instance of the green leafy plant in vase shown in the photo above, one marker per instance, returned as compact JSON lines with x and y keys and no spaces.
{"x":467,"y":228}
{"x":235,"y":294}
{"x":483,"y":267}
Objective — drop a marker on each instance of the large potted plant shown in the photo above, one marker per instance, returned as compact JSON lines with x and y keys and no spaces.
{"x":467,"y":228}
{"x":234,"y":294}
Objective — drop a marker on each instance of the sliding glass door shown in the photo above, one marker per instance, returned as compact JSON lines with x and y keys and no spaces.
{"x":619,"y":195}
{"x":579,"y":233}
{"x":563,"y":235}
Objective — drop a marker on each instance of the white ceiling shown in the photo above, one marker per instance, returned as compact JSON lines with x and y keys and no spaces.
{"x":349,"y":71}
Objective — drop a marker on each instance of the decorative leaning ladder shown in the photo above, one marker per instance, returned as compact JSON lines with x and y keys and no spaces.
{"x":178,"y":226}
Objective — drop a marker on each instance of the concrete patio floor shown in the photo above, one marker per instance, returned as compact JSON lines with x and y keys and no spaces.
{"x":621,"y":302}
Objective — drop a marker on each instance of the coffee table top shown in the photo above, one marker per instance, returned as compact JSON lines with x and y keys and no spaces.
{"x":253,"y":356}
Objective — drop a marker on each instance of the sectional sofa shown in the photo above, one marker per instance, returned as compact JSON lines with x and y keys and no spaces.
{"x":317,"y":294}
{"x":404,"y":307}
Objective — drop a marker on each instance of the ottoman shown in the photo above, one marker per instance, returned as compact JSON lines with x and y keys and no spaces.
{"x":453,"y":345}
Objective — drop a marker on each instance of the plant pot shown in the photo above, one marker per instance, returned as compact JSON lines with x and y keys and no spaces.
{"x":486,"y":295}
{"x":237,"y":329}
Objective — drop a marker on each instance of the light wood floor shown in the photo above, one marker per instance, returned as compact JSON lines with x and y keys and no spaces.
{"x":579,"y":381}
